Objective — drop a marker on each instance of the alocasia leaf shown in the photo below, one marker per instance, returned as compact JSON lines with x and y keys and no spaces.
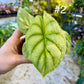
{"x":24,"y":19}
{"x":45,"y":43}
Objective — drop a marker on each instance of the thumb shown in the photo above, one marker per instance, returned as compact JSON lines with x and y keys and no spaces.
{"x":23,"y":60}
{"x":17,"y":34}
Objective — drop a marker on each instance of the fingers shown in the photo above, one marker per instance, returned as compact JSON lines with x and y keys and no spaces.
{"x":17,"y":34}
{"x":22,"y":39}
{"x":15,"y":38}
{"x":23,"y":60}
{"x":20,"y":44}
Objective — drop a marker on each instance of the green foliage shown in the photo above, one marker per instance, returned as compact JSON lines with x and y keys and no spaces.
{"x":71,"y":8}
{"x":79,"y":48}
{"x":6,"y":31}
{"x":44,"y":3}
{"x":28,"y":10}
{"x":80,"y":81}
{"x":79,"y":3}
{"x":45,"y":42}
{"x":59,"y":2}
{"x":25,"y":3}
{"x":79,"y":51}
{"x":10,"y":4}
{"x":81,"y":65}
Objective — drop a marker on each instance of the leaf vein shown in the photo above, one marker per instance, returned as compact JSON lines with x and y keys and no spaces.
{"x":51,"y":56}
{"x":55,"y":44}
{"x":39,"y":57}
{"x":36,"y":45}
{"x":36,"y":34}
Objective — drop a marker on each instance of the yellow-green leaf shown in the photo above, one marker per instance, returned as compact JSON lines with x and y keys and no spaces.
{"x":45,"y":44}
{"x":24,"y":20}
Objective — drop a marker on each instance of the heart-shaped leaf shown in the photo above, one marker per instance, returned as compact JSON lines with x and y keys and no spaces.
{"x":46,"y":44}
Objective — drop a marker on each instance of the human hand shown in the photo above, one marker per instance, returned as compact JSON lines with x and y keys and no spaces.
{"x":11,"y":53}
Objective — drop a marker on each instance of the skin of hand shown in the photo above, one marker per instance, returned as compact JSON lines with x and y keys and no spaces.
{"x":11,"y":53}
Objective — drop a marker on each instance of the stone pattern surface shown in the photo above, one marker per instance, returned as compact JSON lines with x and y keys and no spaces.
{"x":66,"y":73}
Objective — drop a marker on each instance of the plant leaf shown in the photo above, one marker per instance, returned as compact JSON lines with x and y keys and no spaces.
{"x":68,"y":42}
{"x":80,"y":80}
{"x":45,"y":43}
{"x":24,"y":20}
{"x":25,"y":52}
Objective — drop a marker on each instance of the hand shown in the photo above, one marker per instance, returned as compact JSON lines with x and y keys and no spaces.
{"x":11,"y":53}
